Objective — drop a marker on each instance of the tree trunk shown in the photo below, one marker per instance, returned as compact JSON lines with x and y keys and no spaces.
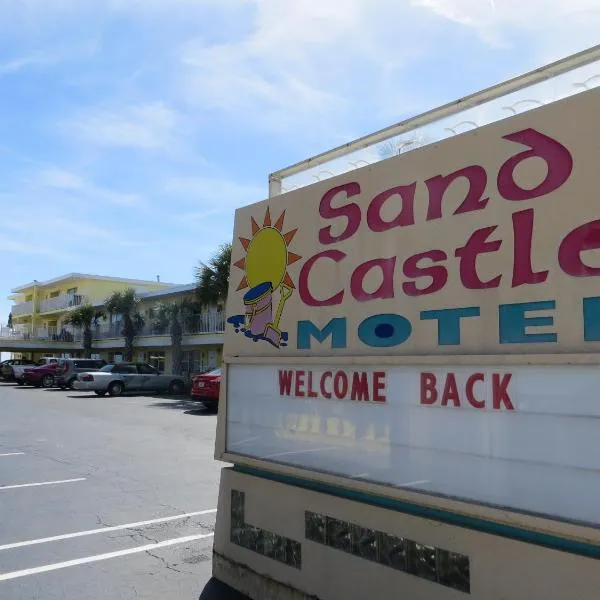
{"x":129,"y":334}
{"x":176,"y":338}
{"x":87,"y":342}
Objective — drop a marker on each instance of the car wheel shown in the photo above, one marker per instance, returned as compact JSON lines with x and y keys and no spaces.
{"x":20,"y":381}
{"x":47,"y":381}
{"x":70,"y":383}
{"x":99,"y":393}
{"x":115,"y":388}
{"x":177,"y":387}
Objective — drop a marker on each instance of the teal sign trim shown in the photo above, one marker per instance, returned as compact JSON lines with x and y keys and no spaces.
{"x":545,"y":540}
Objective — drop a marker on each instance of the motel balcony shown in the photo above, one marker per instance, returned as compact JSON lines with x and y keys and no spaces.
{"x":23,"y":308}
{"x":204,"y":323}
{"x":44,"y":334}
{"x":64,"y":302}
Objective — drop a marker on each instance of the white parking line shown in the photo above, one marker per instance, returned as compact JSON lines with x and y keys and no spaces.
{"x":12,"y":454}
{"x":98,"y":557}
{"x":25,"y":485}
{"x":66,"y":536}
{"x":413,"y":483}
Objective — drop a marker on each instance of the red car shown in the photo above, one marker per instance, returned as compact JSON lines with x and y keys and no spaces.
{"x":42,"y":376}
{"x":206,"y":388}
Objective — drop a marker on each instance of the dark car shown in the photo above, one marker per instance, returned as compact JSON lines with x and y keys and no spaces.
{"x":43,"y":376}
{"x":206,"y":387}
{"x":69,"y":368}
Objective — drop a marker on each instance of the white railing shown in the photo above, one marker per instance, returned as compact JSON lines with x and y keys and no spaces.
{"x":204,"y":323}
{"x":23,"y":308}
{"x":46,"y":334}
{"x":62,"y":302}
{"x":193,"y":325}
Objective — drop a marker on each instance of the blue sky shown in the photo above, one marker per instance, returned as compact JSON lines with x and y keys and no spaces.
{"x":130,"y":130}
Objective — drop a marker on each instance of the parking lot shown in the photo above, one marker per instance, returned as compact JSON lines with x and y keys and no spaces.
{"x":104,"y":498}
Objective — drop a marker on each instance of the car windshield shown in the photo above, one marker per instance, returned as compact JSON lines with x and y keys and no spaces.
{"x":107,"y":368}
{"x":214,"y":373}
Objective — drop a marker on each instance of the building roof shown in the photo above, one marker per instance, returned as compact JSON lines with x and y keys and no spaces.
{"x":170,"y":291}
{"x":176,"y":289}
{"x":68,"y":276}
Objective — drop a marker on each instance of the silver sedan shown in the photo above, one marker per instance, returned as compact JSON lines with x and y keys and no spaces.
{"x":128,"y":377}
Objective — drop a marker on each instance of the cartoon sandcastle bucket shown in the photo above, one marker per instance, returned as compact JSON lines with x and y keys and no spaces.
{"x":259,"y":308}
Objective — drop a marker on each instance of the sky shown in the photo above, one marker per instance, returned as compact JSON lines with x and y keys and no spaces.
{"x":130,"y":130}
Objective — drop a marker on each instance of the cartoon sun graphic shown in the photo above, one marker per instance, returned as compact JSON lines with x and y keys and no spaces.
{"x":266,"y":274}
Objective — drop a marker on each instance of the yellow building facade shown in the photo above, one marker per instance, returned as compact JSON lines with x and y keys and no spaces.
{"x":40,"y":309}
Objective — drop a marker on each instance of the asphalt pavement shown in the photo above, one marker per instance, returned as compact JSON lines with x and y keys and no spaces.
{"x":106,"y":498}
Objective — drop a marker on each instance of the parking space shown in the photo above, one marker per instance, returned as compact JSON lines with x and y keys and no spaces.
{"x":105,"y":497}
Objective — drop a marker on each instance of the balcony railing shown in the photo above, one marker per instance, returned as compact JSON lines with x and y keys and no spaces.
{"x":204,"y":323}
{"x":193,"y":325}
{"x":45,"y":334}
{"x":23,"y":308}
{"x":62,"y":302}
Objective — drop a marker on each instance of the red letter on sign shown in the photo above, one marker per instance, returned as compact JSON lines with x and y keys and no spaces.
{"x":360,"y":387}
{"x":406,"y":215}
{"x":340,"y":385}
{"x":311,"y":393}
{"x":438,"y":274}
{"x":585,"y":237}
{"x":300,"y":384}
{"x":350,"y":211}
{"x":428,"y":390}
{"x":469,"y":389}
{"x":523,"y":273}
{"x":500,"y":391}
{"x":378,"y":386}
{"x":385,"y":290}
{"x":468,"y":254}
{"x":324,"y":392}
{"x":450,"y":391}
{"x":285,"y":382}
{"x":558,"y":160}
{"x":305,"y":294}
{"x":474,"y":200}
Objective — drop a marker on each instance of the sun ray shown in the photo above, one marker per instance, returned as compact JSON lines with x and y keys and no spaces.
{"x":243,"y":284}
{"x":289,"y":236}
{"x":279,"y":223}
{"x":245,"y":243}
{"x":267,"y":221}
{"x":240,"y":264}
{"x":292,"y":258}
{"x":255,"y":227}
{"x":287,"y":281}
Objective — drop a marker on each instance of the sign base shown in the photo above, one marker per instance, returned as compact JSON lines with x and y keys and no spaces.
{"x":283,"y":542}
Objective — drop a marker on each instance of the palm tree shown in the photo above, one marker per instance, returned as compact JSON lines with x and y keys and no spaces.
{"x":212,"y":279}
{"x":170,"y":317}
{"x":125,"y":304}
{"x":83,"y":317}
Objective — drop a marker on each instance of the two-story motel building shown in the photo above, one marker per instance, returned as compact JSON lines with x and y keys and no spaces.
{"x":40,"y":308}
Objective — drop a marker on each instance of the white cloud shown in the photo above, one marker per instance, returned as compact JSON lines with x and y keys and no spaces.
{"x":304,"y":62}
{"x":555,"y":28}
{"x":215,"y":191}
{"x":67,"y":181}
{"x":143,"y":126}
{"x":17,"y":64}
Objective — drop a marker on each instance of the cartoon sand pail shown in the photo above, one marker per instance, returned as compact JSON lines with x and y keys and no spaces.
{"x":259,"y":307}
